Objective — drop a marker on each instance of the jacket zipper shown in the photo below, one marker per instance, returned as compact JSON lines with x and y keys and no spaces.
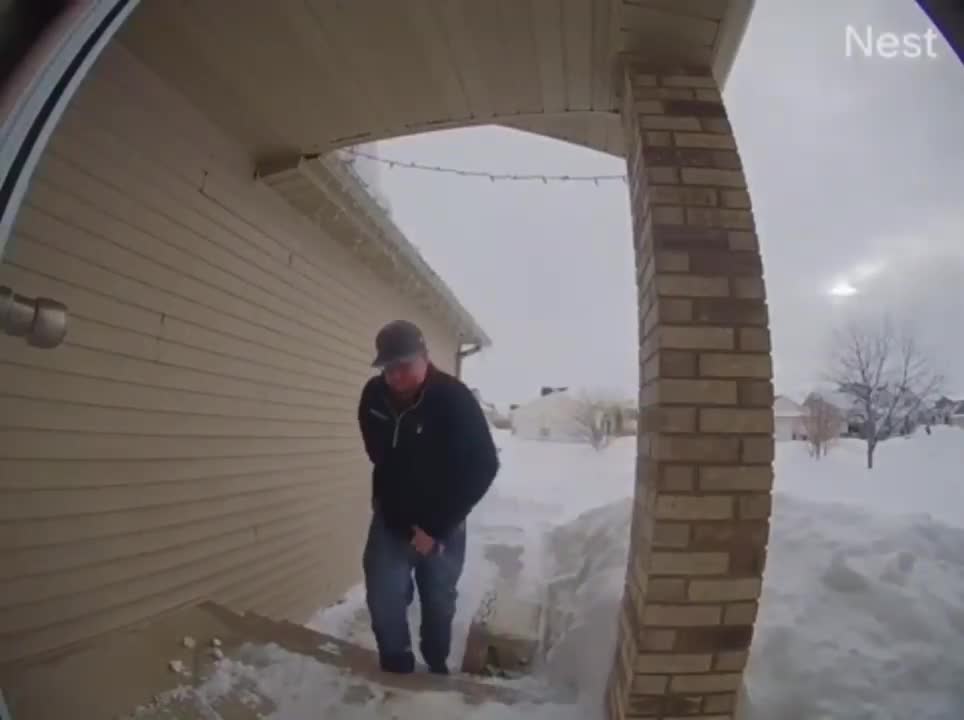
{"x":398,"y":418}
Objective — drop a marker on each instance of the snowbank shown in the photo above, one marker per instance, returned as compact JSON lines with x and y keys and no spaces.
{"x":862,"y":614}
{"x":923,"y":474}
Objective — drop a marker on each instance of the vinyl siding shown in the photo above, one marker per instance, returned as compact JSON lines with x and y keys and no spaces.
{"x":195,"y":436}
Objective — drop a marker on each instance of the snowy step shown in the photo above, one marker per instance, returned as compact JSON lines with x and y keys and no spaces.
{"x":208,"y":659}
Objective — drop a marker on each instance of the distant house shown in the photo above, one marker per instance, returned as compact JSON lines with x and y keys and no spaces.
{"x":956,"y":417}
{"x":556,"y":415}
{"x":946,"y":409}
{"x":789,"y":419}
{"x":496,"y":419}
{"x":627,"y":419}
{"x":826,"y":414}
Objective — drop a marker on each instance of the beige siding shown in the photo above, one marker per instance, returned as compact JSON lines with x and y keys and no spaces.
{"x":195,"y":436}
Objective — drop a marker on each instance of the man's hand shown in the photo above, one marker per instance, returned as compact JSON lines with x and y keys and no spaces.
{"x":423,"y":542}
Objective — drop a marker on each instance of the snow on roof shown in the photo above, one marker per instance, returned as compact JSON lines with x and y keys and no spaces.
{"x":785,"y":407}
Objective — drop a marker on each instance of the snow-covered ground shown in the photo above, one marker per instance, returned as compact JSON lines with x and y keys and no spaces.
{"x":862,"y":615}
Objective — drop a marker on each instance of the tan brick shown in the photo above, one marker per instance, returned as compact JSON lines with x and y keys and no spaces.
{"x":707,"y":176}
{"x":677,"y":364}
{"x":663,"y":93}
{"x":673,"y":663}
{"x":756,"y":393}
{"x":750,"y":288}
{"x":720,"y":218}
{"x":720,"y":682}
{"x":731,"y":661}
{"x":729,"y":262}
{"x":739,"y":614}
{"x":743,"y":240}
{"x":655,"y":615}
{"x":724,"y":590}
{"x":698,"y":717}
{"x":718,"y":125}
{"x":736,"y":365}
{"x":737,"y":199}
{"x":649,"y":372}
{"x":738,"y":421}
{"x":663,"y":175}
{"x":754,"y":339}
{"x":755,"y":507}
{"x":708,"y":93}
{"x":658,"y":640}
{"x":669,"y":122}
{"x":703,"y":109}
{"x":677,"y":478}
{"x":714,"y":639}
{"x":693,"y":286}
{"x":694,"y":507}
{"x":727,"y":160}
{"x":675,"y":448}
{"x":720,"y":703}
{"x":698,"y":392}
{"x":757,"y":450}
{"x":690,"y":81}
{"x":689,"y":563}
{"x":672,"y":262}
{"x":650,"y":684}
{"x":678,"y":337}
{"x":675,"y":310}
{"x":680,"y":195}
{"x":680,"y":157}
{"x":658,"y":138}
{"x":668,"y":215}
{"x":740,"y":535}
{"x":663,"y":706}
{"x":666,"y":590}
{"x":747,"y":560}
{"x":734,"y":478}
{"x":670,"y":420}
{"x":671,"y":535}
{"x":704,"y":139}
{"x":730,"y":311}
{"x":647,"y":106}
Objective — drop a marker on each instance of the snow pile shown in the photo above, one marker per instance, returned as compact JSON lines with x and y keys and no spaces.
{"x":588,"y":558}
{"x":862,"y":616}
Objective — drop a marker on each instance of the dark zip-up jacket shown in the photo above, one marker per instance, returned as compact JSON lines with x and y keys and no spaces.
{"x":432,"y":461}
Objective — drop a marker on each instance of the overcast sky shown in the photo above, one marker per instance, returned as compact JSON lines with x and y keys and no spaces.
{"x":856,"y":169}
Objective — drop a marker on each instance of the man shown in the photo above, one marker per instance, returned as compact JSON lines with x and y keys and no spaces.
{"x":434,"y":459}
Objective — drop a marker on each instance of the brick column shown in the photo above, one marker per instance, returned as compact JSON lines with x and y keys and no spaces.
{"x":704,"y":470}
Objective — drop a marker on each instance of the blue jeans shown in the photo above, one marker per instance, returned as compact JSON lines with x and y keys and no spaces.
{"x":389,"y":563}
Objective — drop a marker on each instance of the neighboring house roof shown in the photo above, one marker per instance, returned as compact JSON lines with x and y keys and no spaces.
{"x":785,"y":407}
{"x":959,"y":410}
{"x":327,"y":189}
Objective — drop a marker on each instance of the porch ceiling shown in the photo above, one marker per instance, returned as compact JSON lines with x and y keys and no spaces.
{"x":306,"y":76}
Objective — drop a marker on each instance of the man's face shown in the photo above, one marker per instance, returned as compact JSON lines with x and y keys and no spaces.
{"x":406,"y":376}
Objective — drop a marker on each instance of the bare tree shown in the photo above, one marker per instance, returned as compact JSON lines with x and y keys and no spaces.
{"x":888,"y":378}
{"x":594,"y":417}
{"x":822,"y":423}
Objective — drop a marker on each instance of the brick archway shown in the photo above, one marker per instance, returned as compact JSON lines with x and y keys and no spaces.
{"x":704,"y":468}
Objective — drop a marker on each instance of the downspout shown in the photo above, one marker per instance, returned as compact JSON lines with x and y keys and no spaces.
{"x":461,"y":354}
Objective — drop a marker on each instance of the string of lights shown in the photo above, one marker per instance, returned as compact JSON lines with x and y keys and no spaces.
{"x":494,"y":177}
